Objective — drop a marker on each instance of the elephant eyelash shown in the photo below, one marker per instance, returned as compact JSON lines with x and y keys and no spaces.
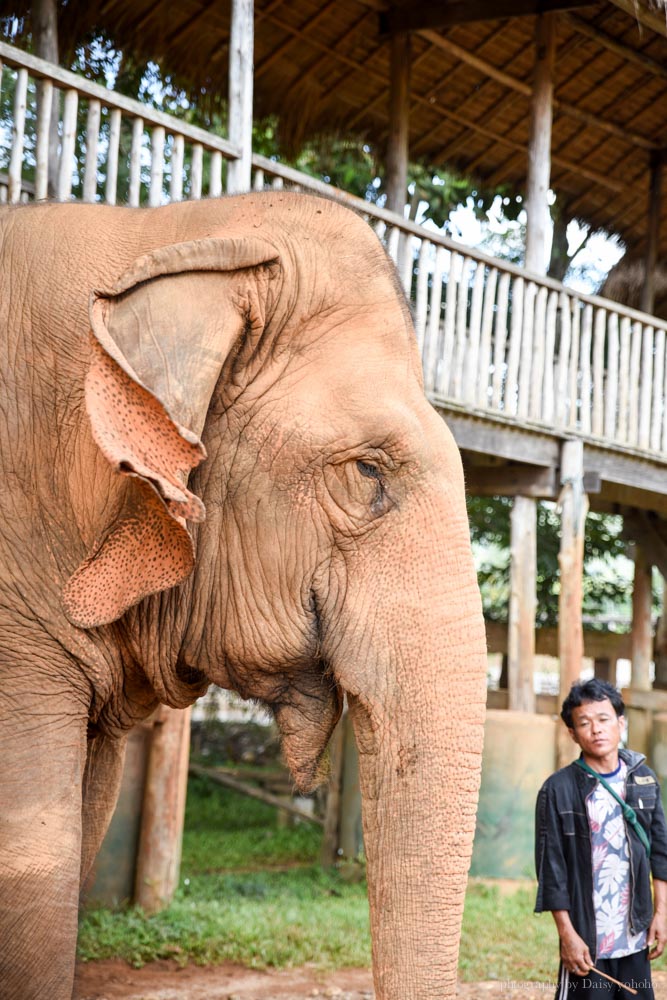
{"x":369,"y":471}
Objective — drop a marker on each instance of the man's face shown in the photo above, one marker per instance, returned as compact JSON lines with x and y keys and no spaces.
{"x":596,"y":728}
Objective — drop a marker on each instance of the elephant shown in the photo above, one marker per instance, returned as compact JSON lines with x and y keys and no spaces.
{"x":218,"y":465}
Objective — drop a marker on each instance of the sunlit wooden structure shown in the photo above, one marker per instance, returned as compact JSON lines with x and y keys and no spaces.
{"x":550,"y":393}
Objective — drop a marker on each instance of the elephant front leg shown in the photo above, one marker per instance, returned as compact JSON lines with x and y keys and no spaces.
{"x":42,"y":755}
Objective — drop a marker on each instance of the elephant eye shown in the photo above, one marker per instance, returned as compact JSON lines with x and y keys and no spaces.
{"x":368,"y":470}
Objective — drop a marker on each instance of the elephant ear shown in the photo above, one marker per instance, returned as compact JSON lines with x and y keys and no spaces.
{"x":159,"y":339}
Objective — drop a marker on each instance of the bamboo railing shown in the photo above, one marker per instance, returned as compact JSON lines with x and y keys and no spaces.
{"x":494,"y":339}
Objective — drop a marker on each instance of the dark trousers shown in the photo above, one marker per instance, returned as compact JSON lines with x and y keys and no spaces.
{"x":633,"y":970}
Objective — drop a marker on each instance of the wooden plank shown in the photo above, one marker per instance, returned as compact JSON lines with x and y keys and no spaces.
{"x":252,"y":792}
{"x":215,"y":182}
{"x":406,"y":263}
{"x":392,"y":243}
{"x":538,"y":224}
{"x":658,"y":402}
{"x":646,"y":387}
{"x":538,"y":366}
{"x":482,"y":397}
{"x":561,"y":410}
{"x":527,"y":349}
{"x":93,"y":120}
{"x":44,"y":107}
{"x":157,"y":166}
{"x":585,"y":362}
{"x":461,"y":328}
{"x":240,"y":103}
{"x":111,"y":184}
{"x":421,"y":299}
{"x":160,"y":838}
{"x":18,"y":136}
{"x":499,"y":341}
{"x":599,"y":337}
{"x":470,"y":367}
{"x":134,"y":195}
{"x":516,"y":324}
{"x":445,"y":373}
{"x":611,"y":386}
{"x":623,"y":393}
{"x":502,"y":440}
{"x":611,"y":645}
{"x":433,"y":326}
{"x":196,"y":171}
{"x":573,"y":504}
{"x":522,"y":604}
{"x":64,"y":185}
{"x":573,"y":373}
{"x":642,"y":630}
{"x":176,"y":179}
{"x":511,"y":480}
{"x":258,"y":181}
{"x":548,"y":406}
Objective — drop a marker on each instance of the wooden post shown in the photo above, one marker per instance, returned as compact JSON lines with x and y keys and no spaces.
{"x":539,"y":148}
{"x":523,"y":602}
{"x":653,"y":232}
{"x":642,"y":633}
{"x":161,"y":836}
{"x":399,"y":122}
{"x":573,"y":504}
{"x":241,"y":45}
{"x":660,"y":645}
{"x":44,"y":15}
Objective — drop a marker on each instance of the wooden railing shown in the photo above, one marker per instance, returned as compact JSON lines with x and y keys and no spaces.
{"x":494,"y":339}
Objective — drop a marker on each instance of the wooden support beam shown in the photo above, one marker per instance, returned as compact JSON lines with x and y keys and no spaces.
{"x":645,"y":13}
{"x":523,"y":604}
{"x":448,"y":13}
{"x":511,"y":480}
{"x":539,"y":147}
{"x":598,"y":645}
{"x":642,"y":632}
{"x":574,"y":507}
{"x":241,"y":48}
{"x":626,"y":52}
{"x":161,"y":836}
{"x":653,"y":233}
{"x":399,"y":123}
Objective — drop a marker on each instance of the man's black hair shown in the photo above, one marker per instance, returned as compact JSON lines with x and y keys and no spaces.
{"x":593,"y":690}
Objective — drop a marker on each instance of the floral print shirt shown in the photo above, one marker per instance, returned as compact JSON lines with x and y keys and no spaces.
{"x":611,"y":870}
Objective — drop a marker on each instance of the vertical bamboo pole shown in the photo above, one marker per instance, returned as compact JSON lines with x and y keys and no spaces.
{"x":642,"y":634}
{"x":539,"y":147}
{"x":624,"y":364}
{"x":92,"y":141}
{"x":160,"y":838}
{"x":176,"y":181}
{"x":157,"y":166}
{"x":546,"y":410}
{"x":110,"y":188}
{"x":573,"y":504}
{"x":485,"y":347}
{"x":499,"y":343}
{"x":134,"y":195}
{"x":44,"y":107}
{"x":653,"y":231}
{"x":470,"y":367}
{"x":445,"y":373}
{"x":562,"y":397}
{"x":241,"y":48}
{"x":421,"y":306}
{"x":196,"y":171}
{"x":514,"y":353}
{"x":215,"y":179}
{"x":646,"y":387}
{"x":399,"y":122}
{"x":18,"y":134}
{"x":523,"y":604}
{"x":64,"y":188}
{"x":433,"y":328}
{"x":611,"y":388}
{"x":44,"y":17}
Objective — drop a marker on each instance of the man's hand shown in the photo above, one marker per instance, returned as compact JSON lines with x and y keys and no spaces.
{"x":574,"y":952}
{"x":657,"y":932}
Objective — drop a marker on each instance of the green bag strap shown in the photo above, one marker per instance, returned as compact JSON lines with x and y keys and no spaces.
{"x":628,"y":812}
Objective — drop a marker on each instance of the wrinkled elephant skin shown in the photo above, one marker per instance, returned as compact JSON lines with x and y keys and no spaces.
{"x":218,"y":465}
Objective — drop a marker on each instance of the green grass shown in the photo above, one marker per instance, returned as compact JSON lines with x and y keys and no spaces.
{"x":233,"y":904}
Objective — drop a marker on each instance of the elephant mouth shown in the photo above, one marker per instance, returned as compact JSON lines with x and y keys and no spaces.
{"x":306,"y":715}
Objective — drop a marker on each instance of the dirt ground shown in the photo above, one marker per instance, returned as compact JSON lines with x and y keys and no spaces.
{"x":112,"y":980}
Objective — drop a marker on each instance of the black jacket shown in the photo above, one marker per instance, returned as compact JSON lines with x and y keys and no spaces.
{"x":563,"y":845}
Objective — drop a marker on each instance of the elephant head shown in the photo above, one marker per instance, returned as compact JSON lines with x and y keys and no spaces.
{"x":295,"y":507}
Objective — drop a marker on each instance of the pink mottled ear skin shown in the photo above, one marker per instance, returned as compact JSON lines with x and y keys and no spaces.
{"x":149,"y":548}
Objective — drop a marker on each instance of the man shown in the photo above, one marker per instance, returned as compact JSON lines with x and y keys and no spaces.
{"x":593,"y":862}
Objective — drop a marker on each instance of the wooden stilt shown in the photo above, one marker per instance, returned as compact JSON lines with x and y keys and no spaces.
{"x":653,"y":232}
{"x":523,"y":603}
{"x":241,"y":47}
{"x":574,"y":507}
{"x":399,"y":121}
{"x":539,"y":148}
{"x":642,"y":633}
{"x":160,"y":839}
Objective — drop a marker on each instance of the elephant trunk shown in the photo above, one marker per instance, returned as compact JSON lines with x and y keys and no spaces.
{"x":419,"y":734}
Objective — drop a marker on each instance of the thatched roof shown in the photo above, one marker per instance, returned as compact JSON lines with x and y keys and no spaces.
{"x":625,"y":283}
{"x":324,"y":66}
